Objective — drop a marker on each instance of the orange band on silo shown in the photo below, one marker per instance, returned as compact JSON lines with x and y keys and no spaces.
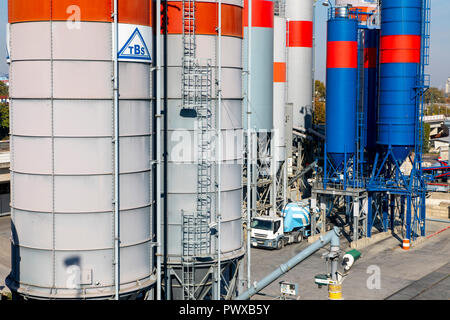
{"x":262,"y":14}
{"x":130,"y":11}
{"x":205,"y":19}
{"x":279,"y":72}
{"x":299,"y":34}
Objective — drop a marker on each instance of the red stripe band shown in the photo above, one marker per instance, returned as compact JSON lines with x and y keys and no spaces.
{"x":370,"y":58}
{"x":299,"y":34}
{"x":342,"y":54}
{"x":400,"y":49}
{"x":262,"y":14}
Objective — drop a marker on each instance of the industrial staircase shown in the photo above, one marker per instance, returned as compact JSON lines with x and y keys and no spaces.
{"x":422,"y":84}
{"x":196,"y":103}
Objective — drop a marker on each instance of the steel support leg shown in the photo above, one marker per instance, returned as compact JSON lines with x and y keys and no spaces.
{"x":408,"y":217}
{"x":384,"y":201}
{"x":369,"y":216}
{"x":392,"y":205}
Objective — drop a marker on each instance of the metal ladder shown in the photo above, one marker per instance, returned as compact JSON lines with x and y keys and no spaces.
{"x":196,"y":97}
{"x":279,"y":8}
{"x":187,"y":259}
{"x":204,"y":165}
{"x":422,"y":84}
{"x":188,"y":62}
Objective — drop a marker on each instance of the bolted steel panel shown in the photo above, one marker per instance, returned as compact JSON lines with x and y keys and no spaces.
{"x":62,"y":162}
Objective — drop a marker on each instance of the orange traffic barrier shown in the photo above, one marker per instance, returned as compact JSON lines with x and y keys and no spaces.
{"x":406,"y":244}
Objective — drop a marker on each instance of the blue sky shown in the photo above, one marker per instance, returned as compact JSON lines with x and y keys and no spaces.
{"x":439,"y":55}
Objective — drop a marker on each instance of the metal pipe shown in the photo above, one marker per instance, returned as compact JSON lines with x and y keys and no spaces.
{"x":438,"y":220}
{"x":219,"y":148}
{"x":332,"y":236}
{"x":273,"y":167}
{"x":249,"y":141}
{"x":158,"y":148}
{"x":116,"y":154}
{"x":313,"y":103}
{"x":166,"y":113}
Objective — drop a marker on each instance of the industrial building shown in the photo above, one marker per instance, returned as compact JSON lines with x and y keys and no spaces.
{"x":147,"y":136}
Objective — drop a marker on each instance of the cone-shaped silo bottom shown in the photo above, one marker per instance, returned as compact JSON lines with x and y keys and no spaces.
{"x":338,"y":159}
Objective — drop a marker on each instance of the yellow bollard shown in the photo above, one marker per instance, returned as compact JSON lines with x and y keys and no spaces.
{"x":335,"y":292}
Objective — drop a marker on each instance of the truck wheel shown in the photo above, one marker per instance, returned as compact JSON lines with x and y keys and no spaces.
{"x":280,"y":244}
{"x":299,"y":238}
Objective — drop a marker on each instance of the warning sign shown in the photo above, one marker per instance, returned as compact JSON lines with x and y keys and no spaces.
{"x":134,"y":43}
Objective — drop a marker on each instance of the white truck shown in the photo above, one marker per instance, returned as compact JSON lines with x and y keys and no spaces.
{"x":275,"y":232}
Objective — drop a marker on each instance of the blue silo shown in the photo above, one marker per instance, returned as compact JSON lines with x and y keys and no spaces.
{"x":400,"y":61}
{"x":371,"y":45}
{"x":341,"y":84}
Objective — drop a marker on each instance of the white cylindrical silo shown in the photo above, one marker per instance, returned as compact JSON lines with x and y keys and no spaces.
{"x":261,"y":74}
{"x":299,"y":40}
{"x":183,"y":167}
{"x":279,"y":88}
{"x":62,"y":149}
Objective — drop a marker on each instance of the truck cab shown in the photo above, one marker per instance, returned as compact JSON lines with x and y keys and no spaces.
{"x":267,"y":231}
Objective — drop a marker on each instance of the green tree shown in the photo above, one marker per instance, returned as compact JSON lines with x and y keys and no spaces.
{"x":434,"y":95}
{"x":4,"y":90}
{"x":320,"y":90}
{"x":426,"y":137}
{"x":319,"y":102}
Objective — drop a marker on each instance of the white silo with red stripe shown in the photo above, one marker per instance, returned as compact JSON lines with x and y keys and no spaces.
{"x":279,"y":87}
{"x":299,"y":42}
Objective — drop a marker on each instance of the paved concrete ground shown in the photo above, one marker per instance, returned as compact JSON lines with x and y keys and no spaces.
{"x":434,"y":286}
{"x":398,"y":268}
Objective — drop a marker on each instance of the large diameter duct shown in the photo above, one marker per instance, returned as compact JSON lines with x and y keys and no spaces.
{"x":341,"y":85}
{"x":63,"y":149}
{"x":279,"y":87}
{"x":182,"y":146}
{"x":299,"y":40}
{"x":261,"y":60}
{"x":371,"y":45}
{"x":400,"y":60}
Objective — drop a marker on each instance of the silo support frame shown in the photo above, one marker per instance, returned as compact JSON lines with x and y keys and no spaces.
{"x":331,"y":202}
{"x":391,"y":184}
{"x":206,"y":286}
{"x":265,"y":180}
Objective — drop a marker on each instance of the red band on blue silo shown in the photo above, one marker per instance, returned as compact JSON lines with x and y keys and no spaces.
{"x":342,"y":54}
{"x":400,"y":49}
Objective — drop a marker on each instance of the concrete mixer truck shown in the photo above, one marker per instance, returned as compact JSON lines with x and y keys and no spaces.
{"x":274,"y":232}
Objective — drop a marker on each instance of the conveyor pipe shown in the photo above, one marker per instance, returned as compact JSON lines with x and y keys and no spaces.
{"x":330,"y":237}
